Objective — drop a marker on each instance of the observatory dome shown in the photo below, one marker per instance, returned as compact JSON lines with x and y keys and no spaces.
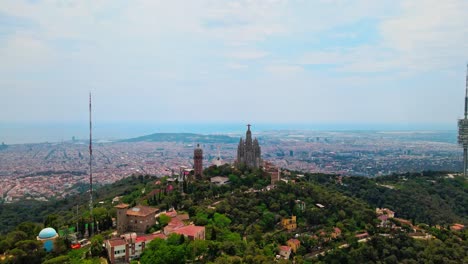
{"x":46,"y":233}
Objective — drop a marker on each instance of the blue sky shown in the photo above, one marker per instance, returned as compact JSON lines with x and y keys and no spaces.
{"x":329,"y":61}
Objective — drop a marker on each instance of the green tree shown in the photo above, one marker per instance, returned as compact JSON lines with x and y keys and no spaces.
{"x":54,"y":221}
{"x":160,"y":251}
{"x":221,"y":220}
{"x":96,"y":245}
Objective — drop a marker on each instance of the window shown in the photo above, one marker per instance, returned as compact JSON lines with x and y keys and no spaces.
{"x":117,"y":252}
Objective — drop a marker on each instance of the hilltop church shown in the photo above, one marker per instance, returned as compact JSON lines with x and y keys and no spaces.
{"x":248,"y":151}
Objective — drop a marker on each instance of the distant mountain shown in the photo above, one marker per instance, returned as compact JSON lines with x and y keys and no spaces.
{"x":184,"y":137}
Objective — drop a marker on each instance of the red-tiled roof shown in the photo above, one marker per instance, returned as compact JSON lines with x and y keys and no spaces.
{"x":172,"y":213}
{"x":122,"y":206}
{"x":457,"y":227}
{"x":175,"y":222}
{"x":141,"y":210}
{"x":183,"y":217}
{"x":285,"y":248}
{"x":173,"y":225}
{"x":116,"y":242}
{"x":190,"y":230}
{"x":403,"y":221}
{"x":160,"y":235}
{"x":150,"y":237}
{"x":362,"y":235}
{"x":383,"y":217}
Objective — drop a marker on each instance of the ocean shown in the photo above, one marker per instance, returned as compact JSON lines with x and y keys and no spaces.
{"x":21,"y":133}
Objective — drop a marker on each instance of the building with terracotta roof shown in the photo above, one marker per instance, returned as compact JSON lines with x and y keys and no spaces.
{"x":385,"y":211}
{"x":136,"y":219}
{"x":285,"y":251}
{"x":174,"y":224}
{"x":404,"y":221}
{"x":336,"y":232}
{"x":129,"y":246}
{"x":362,"y":235}
{"x":192,"y":232}
{"x":457,"y":227}
{"x":294,"y":244}
{"x":178,"y":225}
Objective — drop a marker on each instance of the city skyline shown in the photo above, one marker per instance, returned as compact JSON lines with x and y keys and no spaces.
{"x":332,"y":62}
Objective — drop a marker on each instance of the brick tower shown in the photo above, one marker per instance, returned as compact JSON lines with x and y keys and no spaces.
{"x":198,"y":162}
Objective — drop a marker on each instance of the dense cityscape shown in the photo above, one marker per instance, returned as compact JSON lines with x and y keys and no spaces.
{"x":176,"y":213}
{"x":45,"y":170}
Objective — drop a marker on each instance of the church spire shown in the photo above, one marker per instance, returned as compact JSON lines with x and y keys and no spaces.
{"x":248,"y":151}
{"x":248,"y":136}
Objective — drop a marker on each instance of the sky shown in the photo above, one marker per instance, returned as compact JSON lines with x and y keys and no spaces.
{"x":211,"y":61}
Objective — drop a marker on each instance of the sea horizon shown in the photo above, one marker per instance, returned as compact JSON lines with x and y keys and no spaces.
{"x":33,"y":132}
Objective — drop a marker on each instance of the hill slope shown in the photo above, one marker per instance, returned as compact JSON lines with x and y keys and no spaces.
{"x":184,"y":137}
{"x":430,"y":197}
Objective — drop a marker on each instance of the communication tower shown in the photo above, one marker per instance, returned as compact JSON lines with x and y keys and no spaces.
{"x":463,"y":129}
{"x":90,"y":162}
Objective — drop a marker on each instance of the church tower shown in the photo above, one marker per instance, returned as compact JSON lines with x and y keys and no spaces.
{"x":198,"y":162}
{"x":248,"y":151}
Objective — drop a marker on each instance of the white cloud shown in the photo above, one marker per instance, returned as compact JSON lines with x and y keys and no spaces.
{"x":237,"y":66}
{"x":424,"y":36}
{"x":248,"y":55}
{"x":161,"y":49}
{"x":428,"y":35}
{"x":23,"y":51}
{"x":284,"y":69}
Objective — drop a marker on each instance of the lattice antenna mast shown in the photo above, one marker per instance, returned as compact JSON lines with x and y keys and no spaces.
{"x":90,"y":161}
{"x":463,"y":130}
{"x":466,"y":93}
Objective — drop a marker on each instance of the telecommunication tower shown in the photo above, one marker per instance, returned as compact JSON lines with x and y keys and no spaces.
{"x":463,"y":129}
{"x":90,"y":162}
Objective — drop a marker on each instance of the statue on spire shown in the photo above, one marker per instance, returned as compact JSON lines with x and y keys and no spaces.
{"x":248,"y":151}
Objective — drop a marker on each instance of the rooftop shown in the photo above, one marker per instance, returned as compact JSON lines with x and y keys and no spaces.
{"x":285,"y":248}
{"x":294,"y":241}
{"x":150,"y":237}
{"x":116,"y":242}
{"x":48,"y":232}
{"x":190,"y":230}
{"x":141,"y":210}
{"x":122,"y":206}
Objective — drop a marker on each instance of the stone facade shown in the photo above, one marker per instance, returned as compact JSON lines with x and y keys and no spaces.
{"x":198,"y":161}
{"x":137,"y":219}
{"x":248,"y":151}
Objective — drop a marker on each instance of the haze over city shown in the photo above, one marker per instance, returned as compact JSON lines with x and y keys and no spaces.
{"x":209,"y":62}
{"x":235,"y":131}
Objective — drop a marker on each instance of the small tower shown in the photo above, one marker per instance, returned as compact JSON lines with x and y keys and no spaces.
{"x":122,"y":217}
{"x":198,"y":162}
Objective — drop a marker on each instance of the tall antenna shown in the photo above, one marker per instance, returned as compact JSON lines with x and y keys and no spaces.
{"x":463,"y":129}
{"x":466,"y":93}
{"x":90,"y":161}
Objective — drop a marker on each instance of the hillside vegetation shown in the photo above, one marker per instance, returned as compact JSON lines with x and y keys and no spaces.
{"x":336,"y":221}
